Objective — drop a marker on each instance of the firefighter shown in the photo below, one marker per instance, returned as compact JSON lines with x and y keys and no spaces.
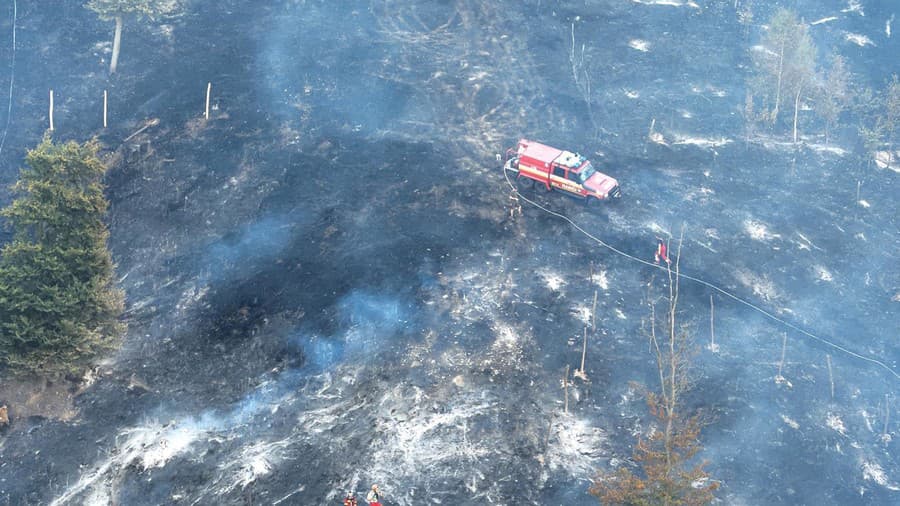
{"x":350,"y":500}
{"x":374,"y":496}
{"x":661,"y":251}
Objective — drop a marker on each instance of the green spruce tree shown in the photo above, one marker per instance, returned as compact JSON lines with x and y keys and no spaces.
{"x":59,"y":307}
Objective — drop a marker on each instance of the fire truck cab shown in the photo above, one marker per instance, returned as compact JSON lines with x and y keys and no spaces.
{"x":554,"y":169}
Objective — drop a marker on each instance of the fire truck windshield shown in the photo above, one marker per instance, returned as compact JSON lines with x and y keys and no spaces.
{"x":586,"y":172}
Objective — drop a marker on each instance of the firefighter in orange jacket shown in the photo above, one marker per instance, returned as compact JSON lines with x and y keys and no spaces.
{"x":661,"y":251}
{"x":350,"y":500}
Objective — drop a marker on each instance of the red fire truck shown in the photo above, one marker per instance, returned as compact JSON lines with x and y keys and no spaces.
{"x":538,"y":165}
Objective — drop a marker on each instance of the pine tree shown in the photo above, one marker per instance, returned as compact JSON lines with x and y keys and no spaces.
{"x":785,"y":66}
{"x":801,"y":70}
{"x":880,"y":113}
{"x":891,"y":115}
{"x":834,"y":96}
{"x":59,"y":307}
{"x":117,"y":10}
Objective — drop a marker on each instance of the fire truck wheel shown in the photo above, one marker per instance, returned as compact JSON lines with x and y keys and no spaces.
{"x":525,"y":183}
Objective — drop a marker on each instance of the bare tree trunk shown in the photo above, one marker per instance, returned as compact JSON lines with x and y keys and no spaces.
{"x":890,"y":137}
{"x":572,"y":58}
{"x":671,"y":399}
{"x":117,"y":42}
{"x":584,"y":349}
{"x":797,"y":110}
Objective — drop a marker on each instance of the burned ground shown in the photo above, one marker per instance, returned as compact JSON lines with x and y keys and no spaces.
{"x":330,"y":284}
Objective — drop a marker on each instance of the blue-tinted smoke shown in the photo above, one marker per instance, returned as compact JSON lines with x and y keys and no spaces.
{"x":368,"y":323}
{"x":323,"y":353}
{"x":307,"y":66}
{"x":252,"y":243}
{"x":370,"y":320}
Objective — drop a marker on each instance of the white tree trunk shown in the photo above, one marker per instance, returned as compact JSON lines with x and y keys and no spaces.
{"x":796,"y":111}
{"x":778,"y":88}
{"x":117,"y":42}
